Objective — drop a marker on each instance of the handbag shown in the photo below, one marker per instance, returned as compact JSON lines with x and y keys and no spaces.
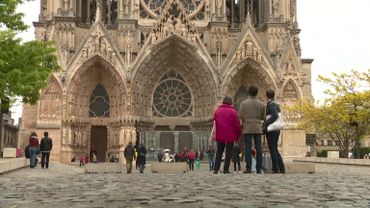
{"x":213,"y":132}
{"x":277,"y":125}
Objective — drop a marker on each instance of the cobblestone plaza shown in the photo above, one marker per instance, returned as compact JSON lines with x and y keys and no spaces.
{"x":66,"y":186}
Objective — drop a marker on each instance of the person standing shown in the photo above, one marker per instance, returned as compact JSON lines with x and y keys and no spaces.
{"x":129,"y":154}
{"x":235,"y":157}
{"x":227,"y":132}
{"x":191,"y":158}
{"x":252,"y":113}
{"x":45,"y":148}
{"x":272,"y":114}
{"x":211,"y":155}
{"x":141,"y":157}
{"x":33,"y":145}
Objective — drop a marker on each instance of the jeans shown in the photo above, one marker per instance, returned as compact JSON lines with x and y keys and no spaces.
{"x":220,"y":150}
{"x":45,"y":159}
{"x":237,"y":163}
{"x":272,"y":141}
{"x":211,"y":163}
{"x":191,"y":165}
{"x":32,"y":151}
{"x":248,"y":151}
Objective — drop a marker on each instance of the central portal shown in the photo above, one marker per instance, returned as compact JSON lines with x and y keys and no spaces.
{"x":99,"y":141}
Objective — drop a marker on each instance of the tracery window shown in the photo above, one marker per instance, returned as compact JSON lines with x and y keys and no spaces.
{"x":172,"y":97}
{"x":99,"y":102}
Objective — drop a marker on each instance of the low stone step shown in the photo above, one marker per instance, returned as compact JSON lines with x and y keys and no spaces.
{"x":294,"y":167}
{"x":11,"y":164}
{"x":179,"y":167}
{"x":92,"y":168}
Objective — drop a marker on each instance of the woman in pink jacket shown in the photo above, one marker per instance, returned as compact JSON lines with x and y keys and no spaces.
{"x":227,"y":132}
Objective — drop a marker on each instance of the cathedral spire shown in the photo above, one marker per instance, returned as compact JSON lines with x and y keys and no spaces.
{"x":98,"y":13}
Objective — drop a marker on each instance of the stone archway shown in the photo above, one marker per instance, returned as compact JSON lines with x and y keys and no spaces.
{"x":174,"y":53}
{"x":245,"y":74}
{"x":96,"y":96}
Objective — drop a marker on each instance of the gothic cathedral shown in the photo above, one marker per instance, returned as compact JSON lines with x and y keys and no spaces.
{"x":153,"y":71}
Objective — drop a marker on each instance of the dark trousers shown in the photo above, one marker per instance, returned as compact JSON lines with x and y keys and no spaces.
{"x":129,"y":165}
{"x":272,"y":141}
{"x":220,"y":150}
{"x":237,"y":162}
{"x":191,"y":165}
{"x":45,"y":159}
{"x":248,"y":151}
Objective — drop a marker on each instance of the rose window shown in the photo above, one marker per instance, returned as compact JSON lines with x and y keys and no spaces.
{"x":172,"y":97}
{"x":99,"y":103}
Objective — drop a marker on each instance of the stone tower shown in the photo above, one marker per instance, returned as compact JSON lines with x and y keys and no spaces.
{"x":153,"y":71}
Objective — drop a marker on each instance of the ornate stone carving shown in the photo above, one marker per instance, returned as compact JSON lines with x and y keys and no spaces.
{"x":276,"y":41}
{"x":97,"y":44}
{"x":173,"y":22}
{"x":249,"y":49}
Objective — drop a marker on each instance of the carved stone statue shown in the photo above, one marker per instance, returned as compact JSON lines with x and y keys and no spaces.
{"x":125,"y":5}
{"x":65,"y":5}
{"x":219,"y":7}
{"x":275,"y":8}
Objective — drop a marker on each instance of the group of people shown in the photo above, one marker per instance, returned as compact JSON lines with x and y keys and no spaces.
{"x":190,"y":157}
{"x":139,"y":154}
{"x":255,"y":116}
{"x":34,"y":148}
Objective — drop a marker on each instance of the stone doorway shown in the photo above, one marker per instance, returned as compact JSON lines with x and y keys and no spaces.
{"x":98,"y":143}
{"x":167,"y":140}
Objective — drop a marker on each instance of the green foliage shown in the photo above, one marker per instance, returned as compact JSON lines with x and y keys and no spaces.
{"x":323,"y":153}
{"x":345,"y":116}
{"x":24,"y":67}
{"x":361,"y":151}
{"x":9,"y":18}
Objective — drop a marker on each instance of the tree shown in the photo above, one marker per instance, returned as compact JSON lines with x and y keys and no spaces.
{"x":345,"y":115}
{"x":24,"y":67}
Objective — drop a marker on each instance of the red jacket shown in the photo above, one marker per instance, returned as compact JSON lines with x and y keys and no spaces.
{"x":34,"y":142}
{"x":227,"y":124}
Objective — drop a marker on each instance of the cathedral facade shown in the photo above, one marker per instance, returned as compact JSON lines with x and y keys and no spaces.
{"x":154,"y":71}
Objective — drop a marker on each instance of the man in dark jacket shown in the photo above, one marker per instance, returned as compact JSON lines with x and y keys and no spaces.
{"x":45,"y":148}
{"x":129,"y":153}
{"x":252,"y":112}
{"x":141,"y":160}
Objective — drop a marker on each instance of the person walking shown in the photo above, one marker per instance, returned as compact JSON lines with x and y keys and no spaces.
{"x":191,"y":158}
{"x":272,"y":114}
{"x":33,"y":146}
{"x":227,"y":132}
{"x":252,"y":113}
{"x":129,"y":153}
{"x":141,"y":157}
{"x":211,"y":155}
{"x":45,"y":148}
{"x":235,"y":157}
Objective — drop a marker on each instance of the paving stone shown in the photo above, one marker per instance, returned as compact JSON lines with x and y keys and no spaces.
{"x":68,"y":186}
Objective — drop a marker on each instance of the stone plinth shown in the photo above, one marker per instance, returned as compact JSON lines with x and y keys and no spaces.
{"x":333,"y":154}
{"x":10,"y":153}
{"x":7,"y":165}
{"x":179,"y":167}
{"x":293,"y":167}
{"x":103,"y":168}
{"x":292,"y":143}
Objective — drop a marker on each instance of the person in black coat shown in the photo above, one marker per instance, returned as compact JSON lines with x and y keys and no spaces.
{"x":141,"y":157}
{"x":45,"y":147}
{"x":235,"y":156}
{"x":272,"y":113}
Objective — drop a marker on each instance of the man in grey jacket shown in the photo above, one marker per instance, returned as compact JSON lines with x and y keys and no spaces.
{"x":252,"y":112}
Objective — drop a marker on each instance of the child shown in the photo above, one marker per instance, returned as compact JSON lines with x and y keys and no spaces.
{"x":82,"y":160}
{"x":235,"y":157}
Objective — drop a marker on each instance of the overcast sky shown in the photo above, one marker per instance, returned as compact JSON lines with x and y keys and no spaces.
{"x":335,"y":33}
